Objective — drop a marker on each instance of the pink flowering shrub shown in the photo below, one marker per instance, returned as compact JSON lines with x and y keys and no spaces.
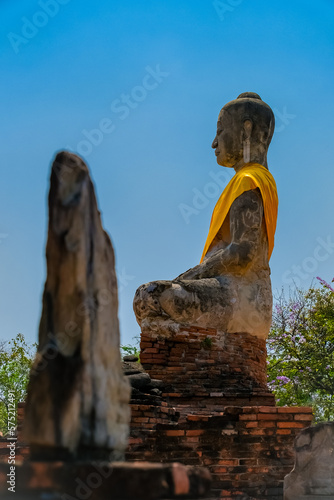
{"x":301,"y":350}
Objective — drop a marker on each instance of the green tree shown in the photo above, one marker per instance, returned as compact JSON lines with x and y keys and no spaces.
{"x":301,"y":350}
{"x":16,"y":357}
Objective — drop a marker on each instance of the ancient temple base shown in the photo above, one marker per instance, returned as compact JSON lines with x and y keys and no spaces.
{"x":104,"y":481}
{"x":206,"y":368}
{"x":220,"y":413}
{"x":248,"y":450}
{"x":244,"y":440}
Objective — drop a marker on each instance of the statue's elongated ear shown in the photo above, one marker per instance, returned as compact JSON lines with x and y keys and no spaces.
{"x":248,"y":127}
{"x":247,"y":132}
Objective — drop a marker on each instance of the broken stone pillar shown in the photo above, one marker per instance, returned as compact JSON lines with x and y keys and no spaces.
{"x":313,"y":475}
{"x":77,"y":403}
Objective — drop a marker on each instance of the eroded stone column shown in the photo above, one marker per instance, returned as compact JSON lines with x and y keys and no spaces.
{"x":77,"y":404}
{"x":313,"y":475}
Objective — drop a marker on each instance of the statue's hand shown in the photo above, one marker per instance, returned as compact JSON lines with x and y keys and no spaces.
{"x":192,"y":274}
{"x":246,"y":216}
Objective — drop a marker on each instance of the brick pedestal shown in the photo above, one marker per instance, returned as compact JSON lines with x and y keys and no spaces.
{"x":224,"y":417}
{"x":208,"y":368}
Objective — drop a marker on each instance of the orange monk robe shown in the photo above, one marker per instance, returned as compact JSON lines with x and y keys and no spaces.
{"x":250,"y":176}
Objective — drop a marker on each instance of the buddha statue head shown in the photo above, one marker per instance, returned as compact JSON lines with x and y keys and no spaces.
{"x":244,"y":131}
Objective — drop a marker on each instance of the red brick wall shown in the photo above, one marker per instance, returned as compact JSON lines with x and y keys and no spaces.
{"x":228,"y":421}
{"x":198,"y":363}
{"x":248,"y":450}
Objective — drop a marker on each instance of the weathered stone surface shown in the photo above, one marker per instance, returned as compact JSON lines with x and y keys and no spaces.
{"x":77,"y":402}
{"x":231,"y":289}
{"x":131,"y":358}
{"x":313,"y":475}
{"x":139,"y":380}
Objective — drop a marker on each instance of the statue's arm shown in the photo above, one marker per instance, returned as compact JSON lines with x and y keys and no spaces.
{"x":246,"y":215}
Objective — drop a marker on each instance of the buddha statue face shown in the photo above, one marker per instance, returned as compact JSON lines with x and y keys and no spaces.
{"x":227,"y":143}
{"x":244,"y":131}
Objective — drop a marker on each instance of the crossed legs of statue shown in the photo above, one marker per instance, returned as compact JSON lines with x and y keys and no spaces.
{"x":223,"y":303}
{"x":184,"y":301}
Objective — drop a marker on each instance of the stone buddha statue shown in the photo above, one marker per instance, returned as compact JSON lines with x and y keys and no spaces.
{"x":230,"y":289}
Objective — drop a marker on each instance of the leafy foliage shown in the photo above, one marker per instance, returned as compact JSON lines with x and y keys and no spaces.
{"x":15,"y":361}
{"x":132,"y":349}
{"x":301,"y":350}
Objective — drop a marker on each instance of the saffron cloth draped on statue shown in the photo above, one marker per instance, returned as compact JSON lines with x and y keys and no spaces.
{"x":250,"y":176}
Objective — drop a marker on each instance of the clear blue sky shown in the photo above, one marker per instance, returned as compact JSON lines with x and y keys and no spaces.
{"x":68,"y":76}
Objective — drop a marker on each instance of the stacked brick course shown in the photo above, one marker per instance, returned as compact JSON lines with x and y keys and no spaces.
{"x":248,"y":450}
{"x":203,"y":366}
{"x":146,"y":416}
